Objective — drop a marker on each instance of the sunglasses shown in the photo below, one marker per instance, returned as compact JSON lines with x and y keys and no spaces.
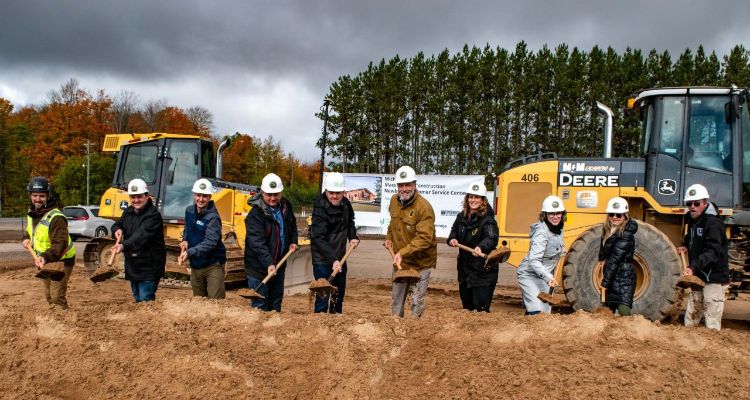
{"x":693,"y":203}
{"x":555,"y":214}
{"x":615,"y":215}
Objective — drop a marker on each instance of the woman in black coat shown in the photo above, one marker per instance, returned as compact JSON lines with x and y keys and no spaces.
{"x":475,"y":227}
{"x":617,"y":248}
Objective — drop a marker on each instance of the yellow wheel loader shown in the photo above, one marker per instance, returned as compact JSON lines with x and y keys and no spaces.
{"x":170,"y":164}
{"x":688,"y":135}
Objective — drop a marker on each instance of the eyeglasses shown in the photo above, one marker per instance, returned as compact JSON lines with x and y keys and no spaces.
{"x":693,"y":203}
{"x":556,"y":213}
{"x":615,"y":215}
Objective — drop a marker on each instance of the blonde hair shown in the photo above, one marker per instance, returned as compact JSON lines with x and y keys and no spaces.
{"x":609,"y":229}
{"x":482,"y":207}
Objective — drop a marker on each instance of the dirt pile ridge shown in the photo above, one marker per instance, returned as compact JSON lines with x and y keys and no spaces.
{"x":184,"y":347}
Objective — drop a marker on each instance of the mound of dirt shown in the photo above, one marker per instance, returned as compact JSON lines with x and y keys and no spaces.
{"x":106,"y":346}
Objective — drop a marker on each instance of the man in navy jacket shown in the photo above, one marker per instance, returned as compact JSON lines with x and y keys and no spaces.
{"x":201,"y":243}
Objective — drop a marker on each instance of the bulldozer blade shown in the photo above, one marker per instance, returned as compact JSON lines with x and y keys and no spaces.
{"x":103,"y":273}
{"x":250,"y":294}
{"x":551,"y":299}
{"x":690,"y":282}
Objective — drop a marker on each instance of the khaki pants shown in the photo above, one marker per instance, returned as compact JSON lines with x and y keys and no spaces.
{"x":400,"y":290}
{"x":208,"y":281}
{"x":55,"y":291}
{"x":708,"y":304}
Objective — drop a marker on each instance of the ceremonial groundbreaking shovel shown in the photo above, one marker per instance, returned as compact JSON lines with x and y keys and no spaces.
{"x":103,"y":273}
{"x":323,"y":287}
{"x":689,"y":281}
{"x":549,"y":297}
{"x":54,"y":271}
{"x":402,"y":275}
{"x":253,"y":294}
{"x":497,"y":255}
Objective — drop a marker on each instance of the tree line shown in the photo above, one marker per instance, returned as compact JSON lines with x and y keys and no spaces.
{"x":473,"y":111}
{"x":51,"y":140}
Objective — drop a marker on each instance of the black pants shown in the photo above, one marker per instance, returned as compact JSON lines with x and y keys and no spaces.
{"x":476,"y":298}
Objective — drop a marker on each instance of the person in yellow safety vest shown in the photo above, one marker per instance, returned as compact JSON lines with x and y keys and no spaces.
{"x":47,"y":234}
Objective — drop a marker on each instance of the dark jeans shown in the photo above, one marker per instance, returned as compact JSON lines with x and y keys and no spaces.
{"x":334,"y":303}
{"x":144,"y":290}
{"x":477,"y":298}
{"x":272,"y":292}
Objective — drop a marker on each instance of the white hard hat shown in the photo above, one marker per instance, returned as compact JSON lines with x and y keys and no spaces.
{"x":477,"y":188}
{"x":406,"y":174}
{"x":617,"y":205}
{"x":553,"y":204}
{"x":696,"y":192}
{"x":271,"y":184}
{"x":203,"y":186}
{"x":334,"y":182}
{"x":137,"y":186}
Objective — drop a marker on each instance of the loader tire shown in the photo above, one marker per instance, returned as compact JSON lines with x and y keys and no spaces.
{"x":657,"y":268}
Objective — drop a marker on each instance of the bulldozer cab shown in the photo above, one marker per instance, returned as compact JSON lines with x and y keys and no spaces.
{"x":696,"y":135}
{"x":169,"y":166}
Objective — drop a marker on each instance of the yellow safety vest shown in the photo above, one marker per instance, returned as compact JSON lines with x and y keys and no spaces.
{"x":39,"y":234}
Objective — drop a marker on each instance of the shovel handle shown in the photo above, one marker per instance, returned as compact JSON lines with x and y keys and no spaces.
{"x":269,"y":276}
{"x":604,"y":295}
{"x":112,"y":252}
{"x":684,"y":260}
{"x":343,"y":260}
{"x":33,"y":255}
{"x":390,"y":251}
{"x":470,"y":250}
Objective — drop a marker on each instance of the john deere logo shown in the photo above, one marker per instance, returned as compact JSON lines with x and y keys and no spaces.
{"x":555,"y":204}
{"x":402,"y":174}
{"x":616,"y":206}
{"x":202,"y":185}
{"x":134,"y":188}
{"x":272,"y":185}
{"x":475,"y":188}
{"x":692,"y":192}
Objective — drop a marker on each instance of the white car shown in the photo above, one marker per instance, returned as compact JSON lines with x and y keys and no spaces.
{"x":84,"y":221}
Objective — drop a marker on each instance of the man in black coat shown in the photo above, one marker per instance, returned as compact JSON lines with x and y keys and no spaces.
{"x":141,"y":232}
{"x":332,"y":228}
{"x":271,"y":232}
{"x":706,"y":243}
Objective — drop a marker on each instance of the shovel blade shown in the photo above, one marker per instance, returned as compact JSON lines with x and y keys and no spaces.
{"x":691,"y":282}
{"x":52,"y":271}
{"x":551,"y":299}
{"x":102,"y":274}
{"x":250,"y":294}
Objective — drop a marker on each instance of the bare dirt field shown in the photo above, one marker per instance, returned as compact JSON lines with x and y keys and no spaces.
{"x":179,"y":347}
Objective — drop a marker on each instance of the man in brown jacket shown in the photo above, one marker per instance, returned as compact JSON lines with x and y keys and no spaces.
{"x":411,"y":235}
{"x":47,"y":235}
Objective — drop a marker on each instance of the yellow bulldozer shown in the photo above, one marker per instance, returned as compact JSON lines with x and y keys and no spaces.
{"x":688,"y":135}
{"x":170,"y":164}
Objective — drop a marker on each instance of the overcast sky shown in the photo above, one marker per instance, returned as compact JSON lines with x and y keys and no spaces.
{"x":264,"y":67}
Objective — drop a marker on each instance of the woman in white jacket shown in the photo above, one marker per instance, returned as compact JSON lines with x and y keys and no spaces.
{"x":536,"y":272}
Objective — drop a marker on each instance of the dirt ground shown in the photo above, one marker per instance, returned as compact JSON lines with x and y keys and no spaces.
{"x":107,"y":347}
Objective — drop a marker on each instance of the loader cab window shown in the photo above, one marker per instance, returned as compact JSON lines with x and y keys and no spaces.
{"x":672,"y":117}
{"x":709,"y":135}
{"x":745,"y":121}
{"x":180,"y":172}
{"x":648,"y":122}
{"x":139,"y":162}
{"x":208,"y":165}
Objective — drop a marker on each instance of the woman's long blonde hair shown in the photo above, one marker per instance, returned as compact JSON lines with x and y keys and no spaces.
{"x":610,"y":230}
{"x":482,"y":208}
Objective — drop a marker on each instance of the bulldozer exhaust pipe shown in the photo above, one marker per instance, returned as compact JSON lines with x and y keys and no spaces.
{"x":223,"y":146}
{"x":606,"y":111}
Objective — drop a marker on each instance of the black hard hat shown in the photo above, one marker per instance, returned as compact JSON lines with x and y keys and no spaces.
{"x":38,"y":184}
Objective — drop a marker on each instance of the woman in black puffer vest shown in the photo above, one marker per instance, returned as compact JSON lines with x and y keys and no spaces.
{"x":617,"y":248}
{"x":475,"y":227}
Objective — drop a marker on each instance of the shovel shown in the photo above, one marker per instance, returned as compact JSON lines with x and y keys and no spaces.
{"x":253,"y":293}
{"x":548,"y":297}
{"x":689,"y":281}
{"x":497,"y":255}
{"x":103,"y":273}
{"x":322,"y":287}
{"x":603,"y":309}
{"x":407,"y":275}
{"x":53,"y":271}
